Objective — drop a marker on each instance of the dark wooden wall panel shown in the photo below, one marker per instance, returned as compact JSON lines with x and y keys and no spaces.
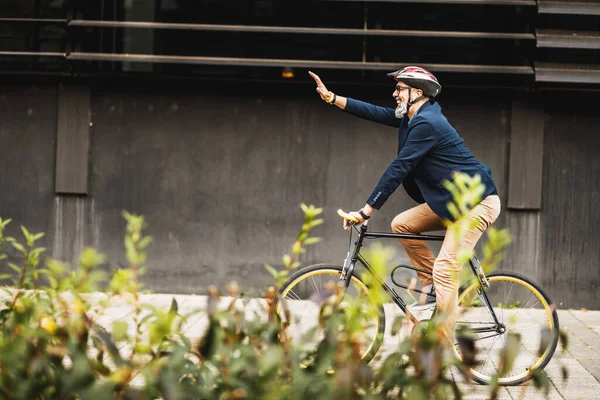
{"x":525,"y":253}
{"x":526,"y":155}
{"x":27,"y":143}
{"x":72,"y":141}
{"x":571,"y":212}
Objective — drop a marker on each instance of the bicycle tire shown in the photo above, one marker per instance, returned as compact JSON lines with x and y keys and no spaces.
{"x":549,"y":313}
{"x":329,"y":269}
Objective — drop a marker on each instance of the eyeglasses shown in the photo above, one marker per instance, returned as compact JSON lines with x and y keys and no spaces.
{"x":401,"y":88}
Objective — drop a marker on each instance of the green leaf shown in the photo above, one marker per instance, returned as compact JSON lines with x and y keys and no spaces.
{"x":297,"y":248}
{"x":304,"y":208}
{"x":456,"y":391}
{"x":113,"y":350}
{"x":311,"y":240}
{"x":145,"y":242}
{"x":271,"y":270}
{"x":142,"y":348}
{"x":15,"y":267}
{"x":38,"y":250}
{"x":5,"y":313}
{"x":282,"y":274}
{"x":315,"y":222}
{"x":302,"y":235}
{"x":18,"y":246}
{"x":174,"y":308}
{"x":509,"y":352}
{"x":5,"y":276}
{"x":208,"y":345}
{"x":271,"y":361}
{"x":25,"y":232}
{"x":453,"y":210}
{"x":38,"y":236}
{"x":564,"y":340}
{"x":541,"y":381}
{"x":100,"y":367}
{"x":140,"y":259}
{"x":53,"y":282}
{"x":397,"y":325}
{"x":90,"y":258}
{"x":287,"y":259}
{"x":119,"y":330}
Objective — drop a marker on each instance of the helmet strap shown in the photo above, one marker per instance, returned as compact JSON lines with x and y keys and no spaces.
{"x":409,"y":103}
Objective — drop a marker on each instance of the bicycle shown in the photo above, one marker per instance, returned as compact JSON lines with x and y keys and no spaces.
{"x":479,"y":308}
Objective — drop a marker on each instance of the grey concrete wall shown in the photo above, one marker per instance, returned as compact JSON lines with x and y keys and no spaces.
{"x":220,"y":171}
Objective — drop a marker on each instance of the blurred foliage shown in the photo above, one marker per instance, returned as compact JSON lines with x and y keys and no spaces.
{"x":53,"y":344}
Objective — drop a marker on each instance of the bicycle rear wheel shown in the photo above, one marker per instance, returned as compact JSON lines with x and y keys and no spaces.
{"x":521,"y":307}
{"x":302,"y":293}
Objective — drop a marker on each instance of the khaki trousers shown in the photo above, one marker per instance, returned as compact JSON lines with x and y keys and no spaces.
{"x":445,"y":267}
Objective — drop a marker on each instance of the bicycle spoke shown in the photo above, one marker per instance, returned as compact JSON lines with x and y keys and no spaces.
{"x":528,"y":364}
{"x":505,"y":300}
{"x":490,"y":349}
{"x":314,"y":283}
{"x":493,"y":343}
{"x":487,"y":337}
{"x":531,"y":356}
{"x":534,"y":298}
{"x":296,"y":297}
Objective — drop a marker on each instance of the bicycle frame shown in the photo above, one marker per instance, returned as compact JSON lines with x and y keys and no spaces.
{"x":354,"y":255}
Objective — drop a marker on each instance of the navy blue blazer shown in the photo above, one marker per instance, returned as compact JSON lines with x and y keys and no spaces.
{"x":429,"y":151}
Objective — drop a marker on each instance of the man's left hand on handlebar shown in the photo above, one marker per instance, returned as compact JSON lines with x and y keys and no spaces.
{"x":362,"y":215}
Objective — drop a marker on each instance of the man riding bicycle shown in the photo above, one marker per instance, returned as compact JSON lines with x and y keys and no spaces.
{"x":429,"y":152}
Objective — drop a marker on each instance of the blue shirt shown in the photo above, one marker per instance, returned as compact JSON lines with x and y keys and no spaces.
{"x":429,"y":151}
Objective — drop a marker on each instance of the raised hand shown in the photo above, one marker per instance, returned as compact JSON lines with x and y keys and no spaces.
{"x":321,"y":88}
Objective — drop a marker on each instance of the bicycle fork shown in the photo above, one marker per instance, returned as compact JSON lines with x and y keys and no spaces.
{"x":483,"y":285}
{"x":478,"y":271}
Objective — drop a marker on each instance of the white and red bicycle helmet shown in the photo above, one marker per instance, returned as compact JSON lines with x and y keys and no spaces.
{"x":419,"y":78}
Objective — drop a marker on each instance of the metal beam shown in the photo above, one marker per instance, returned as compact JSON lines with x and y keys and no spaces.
{"x":491,"y":2}
{"x":301,"y":30}
{"x":35,"y":20}
{"x":567,"y":73}
{"x":577,"y":7}
{"x":568,"y":39}
{"x":267,"y":62}
{"x":32,"y":54}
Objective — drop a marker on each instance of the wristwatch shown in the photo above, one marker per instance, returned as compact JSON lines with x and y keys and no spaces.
{"x":363,"y":215}
{"x":333,"y":98}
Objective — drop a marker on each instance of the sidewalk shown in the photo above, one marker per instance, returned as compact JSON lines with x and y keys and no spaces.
{"x":582,"y":360}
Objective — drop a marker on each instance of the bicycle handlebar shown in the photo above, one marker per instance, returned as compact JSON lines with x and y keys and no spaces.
{"x":347,"y":216}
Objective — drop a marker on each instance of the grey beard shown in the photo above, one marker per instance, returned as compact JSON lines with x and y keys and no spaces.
{"x":400,"y":111}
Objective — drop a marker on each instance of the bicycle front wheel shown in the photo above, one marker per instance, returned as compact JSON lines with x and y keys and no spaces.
{"x":302,"y":294}
{"x":520,"y":306}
